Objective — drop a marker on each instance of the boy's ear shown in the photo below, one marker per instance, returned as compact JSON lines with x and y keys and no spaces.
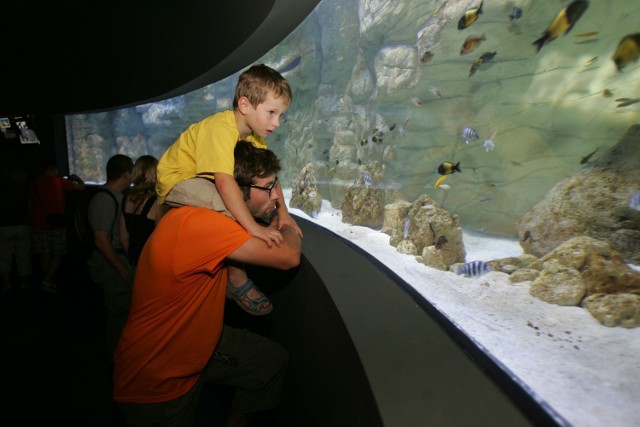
{"x":244,"y":104}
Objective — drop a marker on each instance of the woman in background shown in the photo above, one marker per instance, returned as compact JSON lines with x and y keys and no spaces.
{"x":140,"y":211}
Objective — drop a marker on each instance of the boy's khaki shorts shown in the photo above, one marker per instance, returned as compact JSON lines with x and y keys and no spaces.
{"x":196,"y":192}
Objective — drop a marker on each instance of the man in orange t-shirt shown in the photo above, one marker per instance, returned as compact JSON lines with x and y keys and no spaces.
{"x":174,"y":339}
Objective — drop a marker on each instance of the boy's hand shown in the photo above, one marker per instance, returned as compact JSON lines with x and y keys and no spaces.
{"x":269,"y":235}
{"x":286,"y":219}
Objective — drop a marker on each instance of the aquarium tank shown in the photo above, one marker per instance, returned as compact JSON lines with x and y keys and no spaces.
{"x":424,"y":120}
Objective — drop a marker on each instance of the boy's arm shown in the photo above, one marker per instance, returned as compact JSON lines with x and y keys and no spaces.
{"x":233,"y":200}
{"x":284,"y":257}
{"x":284,"y":218}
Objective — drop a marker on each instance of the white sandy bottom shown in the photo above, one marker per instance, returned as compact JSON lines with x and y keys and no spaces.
{"x":586,"y":372}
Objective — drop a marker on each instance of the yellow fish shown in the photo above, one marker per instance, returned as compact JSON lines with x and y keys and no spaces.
{"x":440,"y":181}
{"x":628,"y":51}
{"x":563,"y":23}
{"x":469,"y":17}
{"x":589,"y":34}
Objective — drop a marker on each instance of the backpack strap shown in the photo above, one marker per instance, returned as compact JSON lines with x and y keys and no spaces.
{"x":104,"y":190}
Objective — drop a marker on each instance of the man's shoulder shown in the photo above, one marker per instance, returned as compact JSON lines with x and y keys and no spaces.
{"x":104,"y":194}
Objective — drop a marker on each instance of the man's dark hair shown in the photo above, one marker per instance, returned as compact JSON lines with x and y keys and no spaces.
{"x":118,"y":165}
{"x":252,"y":163}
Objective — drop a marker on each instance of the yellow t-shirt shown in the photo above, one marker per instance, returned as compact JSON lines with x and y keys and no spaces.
{"x":206,"y":147}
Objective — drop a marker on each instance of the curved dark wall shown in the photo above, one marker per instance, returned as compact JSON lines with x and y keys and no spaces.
{"x":68,"y":57}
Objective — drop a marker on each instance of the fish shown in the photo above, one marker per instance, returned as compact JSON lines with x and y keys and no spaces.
{"x":474,"y":269}
{"x":516,"y":13}
{"x":625,"y":102}
{"x":607,"y":93}
{"x":488,"y":143}
{"x":470,"y":16}
{"x":483,"y":59}
{"x":426,"y":57}
{"x":586,"y":158}
{"x":634,"y":202}
{"x":442,"y":240}
{"x":447,"y":168}
{"x":405,"y":229}
{"x":377,"y":136}
{"x":364,"y":141}
{"x":588,"y":34}
{"x":435,"y":91}
{"x":628,"y":51}
{"x":468,"y":134}
{"x":367,"y":179}
{"x":563,"y":22}
{"x":471,"y":43}
{"x":445,"y":186}
{"x":591,"y":61}
{"x":416,"y":101}
{"x":439,"y":181}
{"x":392,"y":127}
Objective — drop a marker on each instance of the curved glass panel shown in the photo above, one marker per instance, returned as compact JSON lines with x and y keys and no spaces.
{"x":434,"y":133}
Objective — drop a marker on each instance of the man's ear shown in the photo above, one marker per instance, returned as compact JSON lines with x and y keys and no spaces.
{"x":243,"y":104}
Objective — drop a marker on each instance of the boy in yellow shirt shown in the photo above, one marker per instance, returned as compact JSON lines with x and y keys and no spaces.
{"x":197,"y":169}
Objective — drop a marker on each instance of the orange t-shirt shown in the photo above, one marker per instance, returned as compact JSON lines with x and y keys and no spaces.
{"x":177,"y":306}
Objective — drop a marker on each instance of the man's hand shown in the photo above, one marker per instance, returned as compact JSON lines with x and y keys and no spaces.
{"x":285,"y":219}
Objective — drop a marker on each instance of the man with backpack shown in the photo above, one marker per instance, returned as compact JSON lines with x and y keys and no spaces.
{"x":108,"y":264}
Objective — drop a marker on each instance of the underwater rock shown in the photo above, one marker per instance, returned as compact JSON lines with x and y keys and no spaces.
{"x":591,"y":203}
{"x":433,"y":257}
{"x":614,"y":310}
{"x":601,"y":267}
{"x":559,"y":285}
{"x":361,"y":85}
{"x":523,"y":275}
{"x":395,"y":215}
{"x":407,"y":247}
{"x":427,"y":225}
{"x":396,"y":67}
{"x":583,"y":265}
{"x":304,"y":194}
{"x":364,"y":201}
{"x":511,"y":264}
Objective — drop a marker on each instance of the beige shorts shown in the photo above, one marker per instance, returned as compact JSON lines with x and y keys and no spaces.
{"x":196,"y":192}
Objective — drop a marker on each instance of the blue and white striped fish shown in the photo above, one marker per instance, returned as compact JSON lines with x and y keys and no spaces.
{"x":474,"y":269}
{"x":367,"y":180}
{"x":634,"y":201}
{"x":468,"y":134}
{"x":405,"y":230}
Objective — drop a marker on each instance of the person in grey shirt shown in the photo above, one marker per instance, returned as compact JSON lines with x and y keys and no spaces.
{"x":108,"y":265}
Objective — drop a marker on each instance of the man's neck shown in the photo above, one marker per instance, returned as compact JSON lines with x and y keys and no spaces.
{"x":116,"y":185}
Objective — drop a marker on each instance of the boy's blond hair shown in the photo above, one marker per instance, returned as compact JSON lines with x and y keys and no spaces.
{"x":259,"y":81}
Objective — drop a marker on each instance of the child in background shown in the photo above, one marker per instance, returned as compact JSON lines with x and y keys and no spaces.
{"x":197,"y":169}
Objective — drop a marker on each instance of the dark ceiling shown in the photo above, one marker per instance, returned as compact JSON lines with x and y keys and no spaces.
{"x":81,"y":56}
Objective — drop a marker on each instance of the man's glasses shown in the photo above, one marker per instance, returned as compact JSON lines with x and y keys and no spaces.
{"x":267,"y":189}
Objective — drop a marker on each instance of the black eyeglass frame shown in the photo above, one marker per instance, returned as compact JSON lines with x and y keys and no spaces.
{"x":269,"y":190}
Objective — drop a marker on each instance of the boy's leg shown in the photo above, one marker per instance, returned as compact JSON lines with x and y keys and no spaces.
{"x":197,"y":192}
{"x":253,"y":301}
{"x":253,"y":364}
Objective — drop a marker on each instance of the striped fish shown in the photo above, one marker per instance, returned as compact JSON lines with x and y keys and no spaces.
{"x":469,"y":134}
{"x":474,"y":269}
